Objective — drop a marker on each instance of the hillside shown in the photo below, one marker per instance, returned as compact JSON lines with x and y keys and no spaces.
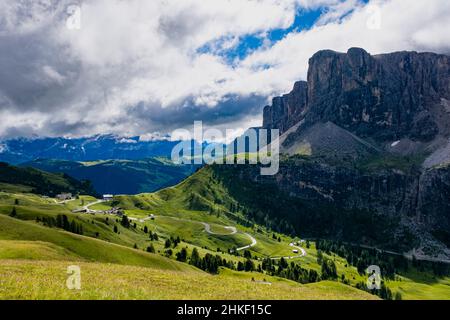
{"x":212,"y":195}
{"x":40,"y":182}
{"x":31,"y":241}
{"x":79,"y":248}
{"x":113,"y":282}
{"x":256,"y":261}
{"x":119,"y":176}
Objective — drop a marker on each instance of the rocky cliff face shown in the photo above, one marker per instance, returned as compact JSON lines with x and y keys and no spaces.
{"x":385,"y":97}
{"x":287,"y":110}
{"x":394,"y":105}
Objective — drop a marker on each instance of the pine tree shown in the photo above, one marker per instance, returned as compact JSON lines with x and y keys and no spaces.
{"x":249,"y":265}
{"x":182,"y":255}
{"x":195,"y":258}
{"x":125,"y":222}
{"x":13,"y":212}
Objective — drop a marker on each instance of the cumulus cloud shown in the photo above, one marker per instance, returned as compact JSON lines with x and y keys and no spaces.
{"x":135,"y":67}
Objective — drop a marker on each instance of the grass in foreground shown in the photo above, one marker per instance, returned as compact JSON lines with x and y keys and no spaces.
{"x":47,"y":280}
{"x":87,"y":248}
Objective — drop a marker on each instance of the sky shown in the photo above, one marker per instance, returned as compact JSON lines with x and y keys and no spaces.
{"x":144,"y":68}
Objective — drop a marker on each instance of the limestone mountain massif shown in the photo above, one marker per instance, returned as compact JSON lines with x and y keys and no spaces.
{"x":371,"y":133}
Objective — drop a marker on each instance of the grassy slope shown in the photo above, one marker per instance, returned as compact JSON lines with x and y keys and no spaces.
{"x":34,"y":250}
{"x":84,"y":247}
{"x":46,"y":280}
{"x":27,"y":240}
{"x":41,"y":182}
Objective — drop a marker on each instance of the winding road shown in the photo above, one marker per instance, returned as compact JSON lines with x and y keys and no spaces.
{"x":207,"y":227}
{"x":300,"y":249}
{"x":233,"y":230}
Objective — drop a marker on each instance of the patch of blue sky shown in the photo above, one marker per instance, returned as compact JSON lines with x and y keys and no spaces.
{"x":304,"y":20}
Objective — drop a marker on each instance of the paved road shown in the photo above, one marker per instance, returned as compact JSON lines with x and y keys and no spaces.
{"x":233,"y":230}
{"x":207,"y":226}
{"x":300,"y":249}
{"x":254,"y":242}
{"x":86,"y":207}
{"x":208,"y":230}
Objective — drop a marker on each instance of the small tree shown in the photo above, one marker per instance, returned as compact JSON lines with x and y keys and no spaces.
{"x":13,"y":212}
{"x":16,"y":202}
{"x":167,"y":244}
{"x":125,"y":222}
{"x":182,"y":255}
{"x":195,"y":258}
{"x":115,"y":229}
{"x":249,"y":265}
{"x":151,"y":249}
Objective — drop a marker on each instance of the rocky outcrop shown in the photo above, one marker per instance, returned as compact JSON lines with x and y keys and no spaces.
{"x":287,"y":110}
{"x":385,"y":97}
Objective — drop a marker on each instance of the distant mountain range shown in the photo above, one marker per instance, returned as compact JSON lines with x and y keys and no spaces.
{"x":119,"y":176}
{"x":100,"y":147}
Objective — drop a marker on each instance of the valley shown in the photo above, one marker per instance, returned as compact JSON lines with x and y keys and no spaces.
{"x":148,"y":253}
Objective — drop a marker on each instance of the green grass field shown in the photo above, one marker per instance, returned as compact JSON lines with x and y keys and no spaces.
{"x":88,"y":249}
{"x":47,"y":280}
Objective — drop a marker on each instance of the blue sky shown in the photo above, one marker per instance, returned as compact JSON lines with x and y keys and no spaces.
{"x":304,"y":20}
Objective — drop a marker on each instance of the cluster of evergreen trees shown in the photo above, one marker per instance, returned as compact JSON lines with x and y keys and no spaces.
{"x":390,"y":264}
{"x":153,"y":236}
{"x":62,"y":222}
{"x":292,"y":271}
{"x":209,"y":262}
{"x":384,"y":292}
{"x":171,"y":242}
{"x":125,"y":222}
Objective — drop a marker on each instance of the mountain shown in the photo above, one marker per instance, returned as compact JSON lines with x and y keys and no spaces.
{"x":366,"y":141}
{"x":120,"y":176}
{"x":100,"y":147}
{"x":40,"y":182}
{"x":388,"y":97}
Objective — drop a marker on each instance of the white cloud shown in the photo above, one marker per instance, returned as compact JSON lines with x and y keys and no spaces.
{"x":134,"y":67}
